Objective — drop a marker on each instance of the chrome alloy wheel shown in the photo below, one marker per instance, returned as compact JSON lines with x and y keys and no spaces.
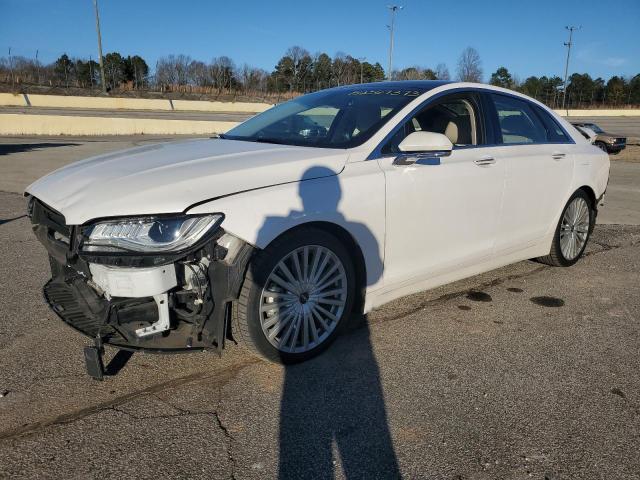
{"x":303,"y":299}
{"x":574,"y":228}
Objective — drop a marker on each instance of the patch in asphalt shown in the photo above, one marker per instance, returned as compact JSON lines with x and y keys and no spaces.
{"x":479,"y":296}
{"x":464,"y":307}
{"x":617,"y":391}
{"x":545,"y":301}
{"x":515,"y":290}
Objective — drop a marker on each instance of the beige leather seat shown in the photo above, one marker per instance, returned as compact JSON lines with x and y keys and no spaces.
{"x":451,"y":131}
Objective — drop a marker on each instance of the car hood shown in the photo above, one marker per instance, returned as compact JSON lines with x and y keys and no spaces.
{"x":171,"y":177}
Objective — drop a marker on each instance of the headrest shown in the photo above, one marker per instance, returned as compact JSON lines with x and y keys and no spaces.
{"x":452,"y":132}
{"x":366,"y":116}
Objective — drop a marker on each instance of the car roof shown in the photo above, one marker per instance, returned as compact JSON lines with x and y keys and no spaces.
{"x":400,"y":84}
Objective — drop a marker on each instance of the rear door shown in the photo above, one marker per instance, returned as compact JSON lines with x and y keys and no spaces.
{"x":539,"y":170}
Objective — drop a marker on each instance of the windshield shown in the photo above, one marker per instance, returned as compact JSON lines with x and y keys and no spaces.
{"x":338,"y":118}
{"x":594,"y":127}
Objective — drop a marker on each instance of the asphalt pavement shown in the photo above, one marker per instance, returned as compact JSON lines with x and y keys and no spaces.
{"x":528,"y":371}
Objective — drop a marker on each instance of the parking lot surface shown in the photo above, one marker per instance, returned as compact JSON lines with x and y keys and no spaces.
{"x":528,"y":371}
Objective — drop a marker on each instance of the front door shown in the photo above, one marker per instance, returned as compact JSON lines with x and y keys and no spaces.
{"x":443,"y":216}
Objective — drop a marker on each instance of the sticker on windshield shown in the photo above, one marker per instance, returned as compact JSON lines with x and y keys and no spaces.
{"x":402,"y":93}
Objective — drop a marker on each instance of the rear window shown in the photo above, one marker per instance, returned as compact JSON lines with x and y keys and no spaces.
{"x":518,"y":121}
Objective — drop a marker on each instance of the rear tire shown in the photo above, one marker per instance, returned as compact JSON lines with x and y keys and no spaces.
{"x":572,"y":233}
{"x":309,"y":279}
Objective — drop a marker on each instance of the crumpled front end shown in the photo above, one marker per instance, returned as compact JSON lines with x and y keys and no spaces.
{"x":164,"y":302}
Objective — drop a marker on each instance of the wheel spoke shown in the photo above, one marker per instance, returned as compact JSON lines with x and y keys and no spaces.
{"x":327,"y":283}
{"x":275,"y":306}
{"x":321,"y":268}
{"x":296,"y":266}
{"x":315,"y":313}
{"x":328,"y":294}
{"x":283,"y":283}
{"x":280,"y":325}
{"x":287,"y":273}
{"x":312,"y":325}
{"x":290,"y":329}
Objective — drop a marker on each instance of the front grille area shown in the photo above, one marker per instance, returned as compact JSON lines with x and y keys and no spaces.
{"x":64,"y":302}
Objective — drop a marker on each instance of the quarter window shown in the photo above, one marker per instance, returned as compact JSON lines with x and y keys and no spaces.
{"x":555,"y":134}
{"x":518,"y":122}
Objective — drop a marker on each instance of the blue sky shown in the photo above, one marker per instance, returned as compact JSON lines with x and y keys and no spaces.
{"x":525,"y":36}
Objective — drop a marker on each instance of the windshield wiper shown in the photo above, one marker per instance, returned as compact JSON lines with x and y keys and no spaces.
{"x":269,"y":140}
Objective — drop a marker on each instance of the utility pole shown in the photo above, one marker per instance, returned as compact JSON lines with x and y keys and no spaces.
{"x":104,"y":81}
{"x":566,"y":66}
{"x":38,"y":67}
{"x":393,"y":9}
{"x":11,"y":68}
{"x":361,"y":59}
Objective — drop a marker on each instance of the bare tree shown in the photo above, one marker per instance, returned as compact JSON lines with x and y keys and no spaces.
{"x":300,"y":64}
{"x":199,"y":74}
{"x":470,"y":66}
{"x":339,"y":67}
{"x":222,"y":72}
{"x":442,"y":72}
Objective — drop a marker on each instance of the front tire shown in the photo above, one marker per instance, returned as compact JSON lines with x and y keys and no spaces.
{"x":572,"y":233}
{"x":602,"y":146}
{"x":297,"y":295}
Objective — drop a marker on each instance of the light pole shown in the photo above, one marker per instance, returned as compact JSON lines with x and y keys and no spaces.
{"x":38,"y":67}
{"x":361,"y":59}
{"x":11,"y":68}
{"x":102,"y":77}
{"x":566,"y":66}
{"x":394,"y":9}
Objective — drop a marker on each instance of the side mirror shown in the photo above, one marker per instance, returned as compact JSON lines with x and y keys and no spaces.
{"x":419,"y":146}
{"x":425,"y":142}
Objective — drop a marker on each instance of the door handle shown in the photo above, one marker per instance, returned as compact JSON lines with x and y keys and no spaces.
{"x":485,"y":161}
{"x":558,"y":155}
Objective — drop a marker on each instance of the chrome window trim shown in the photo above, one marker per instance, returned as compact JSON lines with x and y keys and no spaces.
{"x":377,"y":152}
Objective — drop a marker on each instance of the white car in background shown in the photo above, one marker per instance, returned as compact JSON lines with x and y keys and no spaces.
{"x":325,"y":206}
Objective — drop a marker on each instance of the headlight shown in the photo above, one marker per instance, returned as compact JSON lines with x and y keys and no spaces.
{"x":149,"y":234}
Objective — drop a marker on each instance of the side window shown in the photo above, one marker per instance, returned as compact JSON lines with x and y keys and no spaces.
{"x":555,"y":133}
{"x":518,"y":122}
{"x":455,"y":116}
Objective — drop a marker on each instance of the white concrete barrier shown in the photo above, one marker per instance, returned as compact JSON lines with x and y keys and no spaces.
{"x":119,"y":103}
{"x":19,"y":124}
{"x":623,"y":112}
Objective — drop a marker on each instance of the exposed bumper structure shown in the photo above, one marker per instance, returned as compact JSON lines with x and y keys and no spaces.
{"x":177,"y":304}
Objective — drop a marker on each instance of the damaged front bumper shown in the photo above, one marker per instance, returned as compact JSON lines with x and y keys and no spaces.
{"x":161,"y":303}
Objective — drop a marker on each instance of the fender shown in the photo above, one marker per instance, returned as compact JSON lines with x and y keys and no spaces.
{"x":260,"y":216}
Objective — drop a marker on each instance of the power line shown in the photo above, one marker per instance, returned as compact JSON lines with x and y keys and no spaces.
{"x":394,"y":9}
{"x":566,"y":66}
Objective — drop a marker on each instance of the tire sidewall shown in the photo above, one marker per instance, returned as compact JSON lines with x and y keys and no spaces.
{"x":259,"y":270}
{"x":556,"y":238}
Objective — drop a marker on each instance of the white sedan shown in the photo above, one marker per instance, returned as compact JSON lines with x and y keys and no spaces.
{"x":320,"y":208}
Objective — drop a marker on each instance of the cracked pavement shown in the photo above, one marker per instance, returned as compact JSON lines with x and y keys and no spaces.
{"x":528,"y":371}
